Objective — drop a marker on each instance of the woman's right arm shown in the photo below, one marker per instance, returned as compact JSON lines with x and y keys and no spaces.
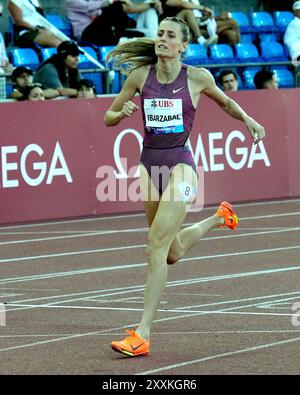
{"x":122,"y":106}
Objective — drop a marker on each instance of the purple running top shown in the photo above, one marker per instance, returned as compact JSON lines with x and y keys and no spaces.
{"x":168,"y":111}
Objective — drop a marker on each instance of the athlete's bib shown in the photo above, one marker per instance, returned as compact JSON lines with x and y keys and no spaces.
{"x":163,"y":116}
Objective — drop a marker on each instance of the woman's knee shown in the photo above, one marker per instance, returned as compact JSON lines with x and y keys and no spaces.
{"x":176,"y":252}
{"x":157,"y":246}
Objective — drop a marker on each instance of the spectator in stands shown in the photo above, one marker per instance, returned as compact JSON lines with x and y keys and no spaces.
{"x":228,"y":81}
{"x":23,"y":76}
{"x":292,"y":34}
{"x":25,"y":32}
{"x":86,"y":89}
{"x":183,"y":9}
{"x":20,"y":77}
{"x":60,"y":72}
{"x":104,"y":22}
{"x":5,"y":66}
{"x":33,"y":92}
{"x":227,"y":29}
{"x":223,"y":25}
{"x":265,"y":79}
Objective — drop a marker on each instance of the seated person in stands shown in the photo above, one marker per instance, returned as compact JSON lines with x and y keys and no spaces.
{"x":228,"y":81}
{"x":265,"y":79}
{"x":104,"y":22}
{"x":223,"y":25}
{"x":5,"y":66}
{"x":86,"y":89}
{"x":23,"y":76}
{"x":292,"y":34}
{"x":60,"y":71}
{"x":25,"y":32}
{"x":184,"y":9}
{"x":33,"y":92}
{"x":227,"y":29}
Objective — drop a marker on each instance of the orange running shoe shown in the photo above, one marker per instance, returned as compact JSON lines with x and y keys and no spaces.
{"x":225,"y":211}
{"x":132,"y":346}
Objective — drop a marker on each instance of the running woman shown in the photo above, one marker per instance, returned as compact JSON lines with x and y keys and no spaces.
{"x":169,"y":92}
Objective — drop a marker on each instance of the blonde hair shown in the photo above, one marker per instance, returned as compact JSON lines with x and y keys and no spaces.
{"x":137,"y":52}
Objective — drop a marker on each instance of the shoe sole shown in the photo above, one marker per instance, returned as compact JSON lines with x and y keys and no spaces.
{"x":127,"y":353}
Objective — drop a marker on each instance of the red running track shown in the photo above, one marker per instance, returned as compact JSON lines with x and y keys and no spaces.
{"x":71,"y":287}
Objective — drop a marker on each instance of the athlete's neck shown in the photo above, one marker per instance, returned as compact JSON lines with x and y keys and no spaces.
{"x":167,"y":72}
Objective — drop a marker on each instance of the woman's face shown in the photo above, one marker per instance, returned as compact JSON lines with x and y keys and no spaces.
{"x":71,"y":61}
{"x":169,"y":40}
{"x":23,"y":80}
{"x":36,"y":94}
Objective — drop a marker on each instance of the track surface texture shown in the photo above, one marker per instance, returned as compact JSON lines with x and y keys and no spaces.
{"x":229,"y":307}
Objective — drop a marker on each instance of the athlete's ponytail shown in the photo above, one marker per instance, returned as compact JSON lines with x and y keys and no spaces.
{"x":137,"y":52}
{"x":131,"y":54}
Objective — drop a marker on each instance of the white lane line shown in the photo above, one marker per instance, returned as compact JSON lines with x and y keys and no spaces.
{"x":202,"y":312}
{"x":72,"y":221}
{"x":145,"y":229}
{"x":197,"y":333}
{"x":12,"y":280}
{"x":84,"y":220}
{"x":94,"y":234}
{"x":83,"y":296}
{"x":296,"y":295}
{"x":71,"y":337}
{"x":30,"y":289}
{"x":110,"y":249}
{"x":76,"y":232}
{"x":219,"y":356}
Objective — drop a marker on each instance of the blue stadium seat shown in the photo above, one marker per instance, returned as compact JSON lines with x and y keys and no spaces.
{"x":195,"y":54}
{"x":284,"y":77}
{"x":84,"y":62}
{"x":104,"y":51}
{"x":221,"y":53}
{"x":243,"y":21}
{"x":247,"y":53}
{"x":247,"y":38}
{"x":282,"y":19}
{"x":25,"y":57}
{"x":248,"y":77}
{"x":96,"y":77}
{"x":263,"y":22}
{"x":61,"y":23}
{"x":266,"y":37}
{"x":273,"y":52}
{"x":47,"y":53}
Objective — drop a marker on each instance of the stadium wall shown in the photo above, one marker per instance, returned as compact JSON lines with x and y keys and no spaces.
{"x":58,"y":159}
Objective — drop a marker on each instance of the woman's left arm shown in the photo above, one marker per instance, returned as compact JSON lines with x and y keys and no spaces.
{"x":231,"y":107}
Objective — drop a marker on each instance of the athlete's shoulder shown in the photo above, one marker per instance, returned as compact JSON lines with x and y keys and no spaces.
{"x":199,"y":74}
{"x":138,"y":77}
{"x":200,"y":77}
{"x":140,"y":72}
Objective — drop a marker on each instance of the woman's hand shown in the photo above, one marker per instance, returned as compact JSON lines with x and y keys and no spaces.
{"x":128,"y":109}
{"x":256,"y":130}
